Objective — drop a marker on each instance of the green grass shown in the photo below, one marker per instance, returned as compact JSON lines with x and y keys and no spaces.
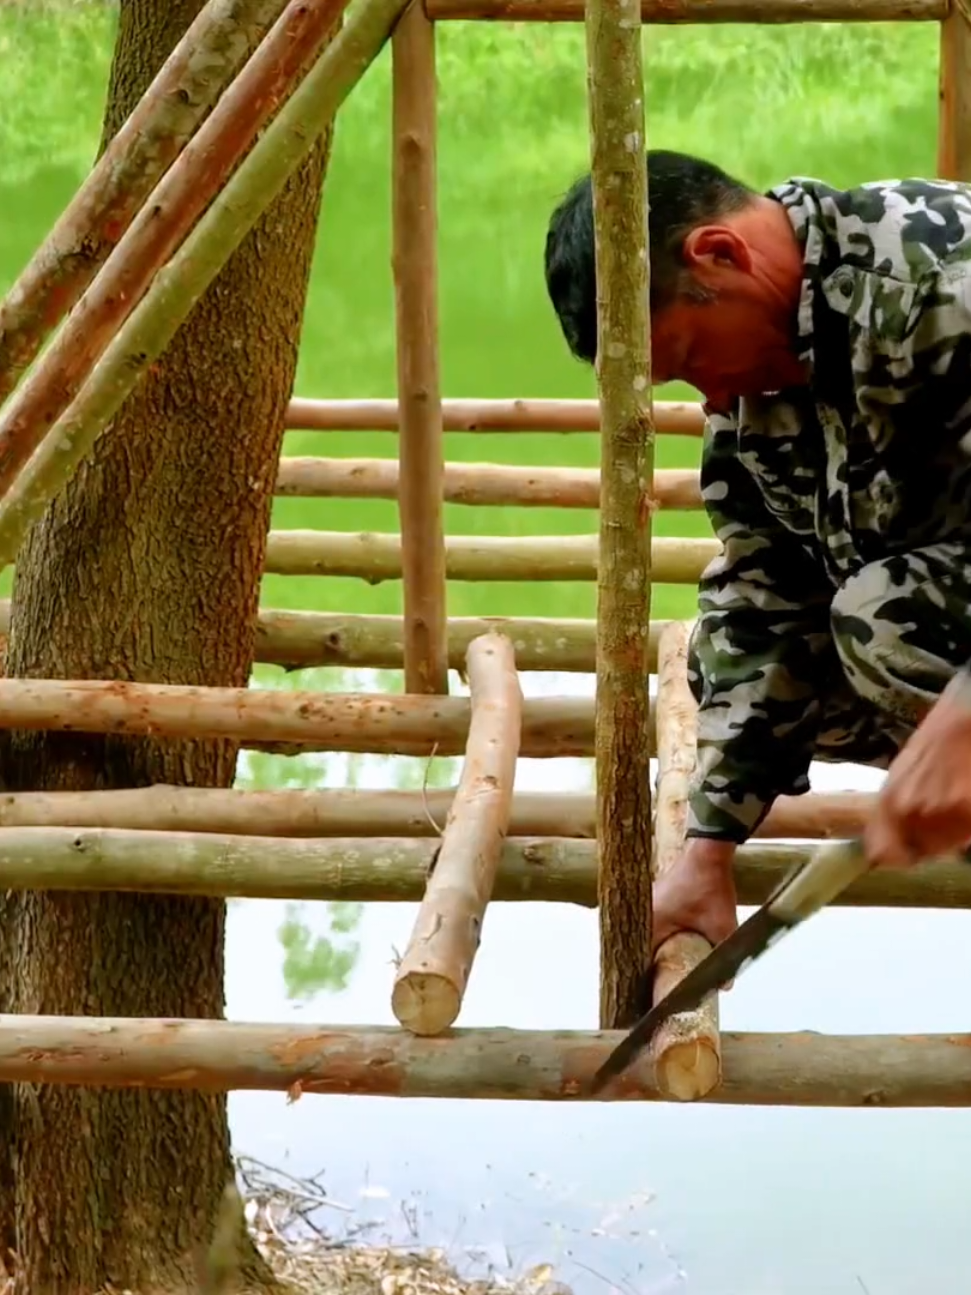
{"x":845,"y":103}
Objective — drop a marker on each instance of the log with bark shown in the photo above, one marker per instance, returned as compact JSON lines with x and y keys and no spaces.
{"x":299,"y":721}
{"x":375,"y":557}
{"x":174,"y":205}
{"x":477,"y":484}
{"x":799,"y":1069}
{"x":414,"y":93}
{"x":433,"y":974}
{"x":299,"y":640}
{"x":686,"y":1050}
{"x":191,"y":851}
{"x":625,"y":561}
{"x":525,"y":414}
{"x":262,"y":177}
{"x":205,"y":60}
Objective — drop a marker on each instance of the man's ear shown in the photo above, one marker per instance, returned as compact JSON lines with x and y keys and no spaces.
{"x":712,"y":249}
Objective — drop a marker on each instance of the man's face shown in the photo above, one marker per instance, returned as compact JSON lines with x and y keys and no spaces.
{"x":739,"y":341}
{"x":726,"y":348}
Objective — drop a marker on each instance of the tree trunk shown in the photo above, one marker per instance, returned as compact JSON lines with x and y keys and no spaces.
{"x":147,"y":567}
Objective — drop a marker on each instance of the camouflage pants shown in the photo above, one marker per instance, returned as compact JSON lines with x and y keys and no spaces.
{"x":901,"y":629}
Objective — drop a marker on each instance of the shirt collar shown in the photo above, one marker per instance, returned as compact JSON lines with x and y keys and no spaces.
{"x":806,"y":219}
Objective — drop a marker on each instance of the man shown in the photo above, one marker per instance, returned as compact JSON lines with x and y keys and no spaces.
{"x":830,"y":334}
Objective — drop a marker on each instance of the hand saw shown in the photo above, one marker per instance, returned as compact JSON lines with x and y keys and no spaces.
{"x":832,"y":868}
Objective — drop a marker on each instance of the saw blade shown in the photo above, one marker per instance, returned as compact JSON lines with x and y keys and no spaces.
{"x":830,"y":870}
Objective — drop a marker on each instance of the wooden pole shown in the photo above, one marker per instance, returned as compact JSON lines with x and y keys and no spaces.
{"x":671,"y":417}
{"x":297,"y":640}
{"x":175,"y":205}
{"x":376,"y":557}
{"x":477,"y":484}
{"x":310,"y":721}
{"x":686,"y":1051}
{"x":350,"y":812}
{"x":434,"y":973}
{"x":954,"y":130}
{"x":212,"y":858}
{"x":698,"y":11}
{"x":415,"y":262}
{"x":870,"y":1071}
{"x":205,"y":60}
{"x":624,"y":570}
{"x":178,"y":286}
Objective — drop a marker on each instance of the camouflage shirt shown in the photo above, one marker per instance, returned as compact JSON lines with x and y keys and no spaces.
{"x":804,"y":488}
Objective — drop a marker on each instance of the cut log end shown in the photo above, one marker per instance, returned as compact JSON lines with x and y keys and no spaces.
{"x":687,"y":1048}
{"x":689,"y":1071}
{"x":425,"y":1003}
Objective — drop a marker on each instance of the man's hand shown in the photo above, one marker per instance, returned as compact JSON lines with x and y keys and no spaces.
{"x":924,"y":807}
{"x":698,"y":894}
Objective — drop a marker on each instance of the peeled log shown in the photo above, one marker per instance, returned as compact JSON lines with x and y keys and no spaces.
{"x":672,"y":417}
{"x":686,"y":1049}
{"x":805,"y":1069}
{"x":434,"y":972}
{"x":476,"y":484}
{"x":376,"y":557}
{"x":311,"y":721}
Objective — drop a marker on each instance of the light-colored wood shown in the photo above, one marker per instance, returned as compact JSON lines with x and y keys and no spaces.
{"x":299,"y":640}
{"x":626,"y":562}
{"x":309,"y":721}
{"x":182,"y":194}
{"x":205,"y":60}
{"x":233,"y":212}
{"x":671,"y":417}
{"x":954,"y":125}
{"x":515,"y":1065}
{"x":190,"y":845}
{"x":477,"y":484}
{"x":433,"y":974}
{"x":346,"y":812}
{"x":415,"y":268}
{"x":686,"y":1050}
{"x":377,"y":557}
{"x":699,"y":11}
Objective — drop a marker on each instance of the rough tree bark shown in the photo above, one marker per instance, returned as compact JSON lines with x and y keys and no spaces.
{"x":146,"y":568}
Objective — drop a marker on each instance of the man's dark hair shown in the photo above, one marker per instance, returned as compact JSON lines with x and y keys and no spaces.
{"x":683,"y":192}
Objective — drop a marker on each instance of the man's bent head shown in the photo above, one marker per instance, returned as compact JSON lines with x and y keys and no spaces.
{"x":726,"y":271}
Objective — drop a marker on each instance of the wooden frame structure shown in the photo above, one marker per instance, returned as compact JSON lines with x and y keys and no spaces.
{"x":173,"y":160}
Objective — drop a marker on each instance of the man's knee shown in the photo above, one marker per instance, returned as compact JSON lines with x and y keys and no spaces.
{"x":878,"y":619}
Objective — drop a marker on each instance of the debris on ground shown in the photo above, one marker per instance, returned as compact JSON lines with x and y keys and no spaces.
{"x":283,"y":1217}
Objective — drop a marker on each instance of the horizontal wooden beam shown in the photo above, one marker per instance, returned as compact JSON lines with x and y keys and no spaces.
{"x":672,"y":417}
{"x":385,"y":870}
{"x":350,"y":812}
{"x":680,"y":12}
{"x":298,"y":640}
{"x":376,"y":557}
{"x":803,"y":1069}
{"x":287,"y":722}
{"x":478,"y":484}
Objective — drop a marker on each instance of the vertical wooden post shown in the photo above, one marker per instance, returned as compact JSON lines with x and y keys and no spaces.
{"x":617,"y":139}
{"x":954,"y":130}
{"x":420,"y":447}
